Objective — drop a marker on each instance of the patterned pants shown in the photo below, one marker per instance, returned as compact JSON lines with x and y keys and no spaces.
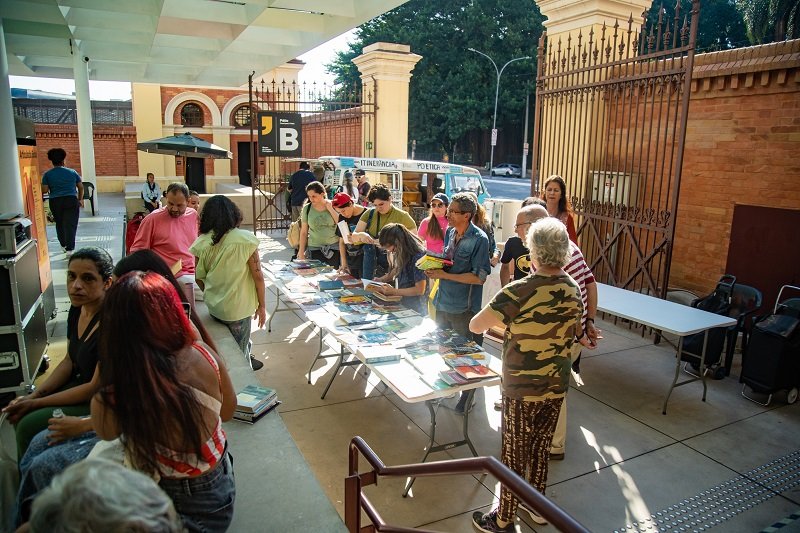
{"x":527,"y":434}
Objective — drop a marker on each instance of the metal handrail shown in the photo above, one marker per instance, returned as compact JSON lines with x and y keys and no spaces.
{"x":355,"y":500}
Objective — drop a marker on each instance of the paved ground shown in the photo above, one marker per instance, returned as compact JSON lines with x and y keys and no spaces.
{"x":726,"y":464}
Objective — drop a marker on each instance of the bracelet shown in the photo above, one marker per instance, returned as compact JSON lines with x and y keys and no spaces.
{"x":579,"y":337}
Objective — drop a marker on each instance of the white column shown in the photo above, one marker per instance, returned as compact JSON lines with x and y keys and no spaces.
{"x":10,"y":182}
{"x":80,"y":66}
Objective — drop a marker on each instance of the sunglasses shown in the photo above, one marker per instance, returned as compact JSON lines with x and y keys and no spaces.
{"x":437,"y":204}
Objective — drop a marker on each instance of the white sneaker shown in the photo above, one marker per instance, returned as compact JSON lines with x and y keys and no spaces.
{"x":536,"y":517}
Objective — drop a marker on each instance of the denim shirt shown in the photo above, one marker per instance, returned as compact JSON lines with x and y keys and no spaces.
{"x":470,"y":254}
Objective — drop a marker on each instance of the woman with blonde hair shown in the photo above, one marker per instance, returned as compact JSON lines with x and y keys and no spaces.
{"x":558,"y":205}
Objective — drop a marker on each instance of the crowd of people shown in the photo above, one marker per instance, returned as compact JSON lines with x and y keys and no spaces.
{"x":136,"y":346}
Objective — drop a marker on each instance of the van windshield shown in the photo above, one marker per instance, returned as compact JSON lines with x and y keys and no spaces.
{"x":465,"y":183}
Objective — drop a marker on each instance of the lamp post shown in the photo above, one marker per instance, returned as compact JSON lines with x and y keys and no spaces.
{"x":496,"y":95}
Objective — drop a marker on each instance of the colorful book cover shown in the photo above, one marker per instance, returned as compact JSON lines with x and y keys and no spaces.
{"x":330,"y":285}
{"x":353,"y":299}
{"x":305,"y":272}
{"x":475,"y":372}
{"x":376,"y":337}
{"x":431,"y":261}
{"x":253,"y":396}
{"x":452,"y":378}
{"x":463,"y":360}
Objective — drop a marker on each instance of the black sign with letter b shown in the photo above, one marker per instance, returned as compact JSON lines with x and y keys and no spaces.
{"x":279,"y":134}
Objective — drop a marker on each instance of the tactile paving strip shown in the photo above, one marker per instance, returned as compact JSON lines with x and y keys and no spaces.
{"x":714,"y":506}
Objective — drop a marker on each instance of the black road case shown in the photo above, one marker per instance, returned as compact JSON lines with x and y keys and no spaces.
{"x":23,"y":325}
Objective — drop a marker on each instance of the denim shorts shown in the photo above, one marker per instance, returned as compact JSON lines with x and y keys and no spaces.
{"x":205,"y":502}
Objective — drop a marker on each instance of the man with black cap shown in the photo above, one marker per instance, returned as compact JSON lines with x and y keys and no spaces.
{"x":297,"y":188}
{"x":363,"y":186}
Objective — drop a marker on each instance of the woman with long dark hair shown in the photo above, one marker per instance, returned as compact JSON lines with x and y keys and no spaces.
{"x":166,"y":396}
{"x":558,"y":205}
{"x":433,"y":227}
{"x":318,"y":239}
{"x":228,"y":270}
{"x":70,"y":386}
{"x":149,"y":261}
{"x":405,"y":249}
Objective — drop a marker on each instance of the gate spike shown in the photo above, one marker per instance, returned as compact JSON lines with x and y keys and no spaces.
{"x":667,"y":35}
{"x":685,"y":31}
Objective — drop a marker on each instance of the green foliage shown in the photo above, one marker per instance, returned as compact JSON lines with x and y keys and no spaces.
{"x":721,"y":24}
{"x":770,"y":20}
{"x":452,"y":89}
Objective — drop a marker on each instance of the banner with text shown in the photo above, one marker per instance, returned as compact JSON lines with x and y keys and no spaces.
{"x":279,"y":134}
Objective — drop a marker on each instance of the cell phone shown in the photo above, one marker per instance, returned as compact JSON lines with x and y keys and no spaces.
{"x":187,"y":308}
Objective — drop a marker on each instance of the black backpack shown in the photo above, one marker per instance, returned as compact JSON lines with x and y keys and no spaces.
{"x":718,"y":302}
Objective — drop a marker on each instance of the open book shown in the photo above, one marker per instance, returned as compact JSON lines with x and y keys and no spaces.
{"x":372,"y":287}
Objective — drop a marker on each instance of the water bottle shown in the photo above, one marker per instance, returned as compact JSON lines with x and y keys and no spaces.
{"x":58,"y":413}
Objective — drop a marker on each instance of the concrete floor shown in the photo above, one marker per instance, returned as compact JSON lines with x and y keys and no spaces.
{"x":726,"y":463}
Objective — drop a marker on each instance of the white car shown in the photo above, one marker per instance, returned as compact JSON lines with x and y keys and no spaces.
{"x":506,"y":169}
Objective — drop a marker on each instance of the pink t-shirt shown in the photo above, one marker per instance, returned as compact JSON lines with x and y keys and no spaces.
{"x":434,"y":245}
{"x":169,"y":237}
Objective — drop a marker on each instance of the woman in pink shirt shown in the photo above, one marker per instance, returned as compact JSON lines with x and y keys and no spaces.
{"x":434,"y":226}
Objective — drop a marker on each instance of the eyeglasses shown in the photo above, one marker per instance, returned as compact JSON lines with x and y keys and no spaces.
{"x":455,"y":212}
{"x":523,"y":224}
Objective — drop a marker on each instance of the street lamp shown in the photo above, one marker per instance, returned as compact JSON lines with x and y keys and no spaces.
{"x":496,"y":95}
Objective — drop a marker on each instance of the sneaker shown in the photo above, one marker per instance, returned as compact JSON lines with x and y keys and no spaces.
{"x":556,"y":456}
{"x":488,"y":523}
{"x":536,"y":517}
{"x":255,"y":364}
{"x":498,"y":405}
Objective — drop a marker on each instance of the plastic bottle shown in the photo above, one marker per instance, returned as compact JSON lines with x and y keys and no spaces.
{"x":58,"y":413}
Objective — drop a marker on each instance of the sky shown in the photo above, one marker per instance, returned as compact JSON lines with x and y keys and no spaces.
{"x":116,"y":90}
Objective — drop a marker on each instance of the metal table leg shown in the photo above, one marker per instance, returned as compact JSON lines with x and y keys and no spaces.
{"x":702,"y":376}
{"x":432,"y":405}
{"x":339,"y":364}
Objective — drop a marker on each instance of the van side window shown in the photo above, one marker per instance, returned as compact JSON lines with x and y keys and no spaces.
{"x":466,"y":183}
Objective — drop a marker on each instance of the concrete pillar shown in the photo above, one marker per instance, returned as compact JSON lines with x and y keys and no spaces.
{"x":10,"y":182}
{"x":83,"y":102}
{"x":386,"y":71}
{"x":149,"y":120}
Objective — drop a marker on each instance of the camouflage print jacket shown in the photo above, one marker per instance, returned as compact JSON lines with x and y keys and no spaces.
{"x":541,"y":314}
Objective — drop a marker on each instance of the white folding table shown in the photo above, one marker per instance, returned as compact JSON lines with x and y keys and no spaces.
{"x":663,"y":316}
{"x":403,"y":377}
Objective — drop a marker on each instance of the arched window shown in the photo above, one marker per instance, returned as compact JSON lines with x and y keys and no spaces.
{"x":192,"y":115}
{"x":242,"y":116}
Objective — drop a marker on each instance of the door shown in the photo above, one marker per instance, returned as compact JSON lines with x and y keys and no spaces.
{"x":245,"y":161}
{"x":196,"y":174}
{"x":764,"y":250}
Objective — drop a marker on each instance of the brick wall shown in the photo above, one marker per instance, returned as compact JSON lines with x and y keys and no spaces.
{"x":742,"y":147}
{"x":114,"y":148}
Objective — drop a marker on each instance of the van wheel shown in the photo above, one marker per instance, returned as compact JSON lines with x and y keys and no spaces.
{"x":791,"y":396}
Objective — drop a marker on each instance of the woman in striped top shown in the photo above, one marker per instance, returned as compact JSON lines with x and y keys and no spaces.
{"x":166,"y":396}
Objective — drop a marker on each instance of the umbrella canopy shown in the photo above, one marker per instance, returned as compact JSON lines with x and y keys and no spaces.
{"x":184,"y":145}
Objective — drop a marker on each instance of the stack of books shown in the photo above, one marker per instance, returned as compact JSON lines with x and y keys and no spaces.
{"x":253,"y":402}
{"x":432,"y":261}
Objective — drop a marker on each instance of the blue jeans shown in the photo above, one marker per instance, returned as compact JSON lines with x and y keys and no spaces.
{"x":42,"y":462}
{"x":240,"y":329}
{"x":375,"y":261}
{"x":205,"y":503}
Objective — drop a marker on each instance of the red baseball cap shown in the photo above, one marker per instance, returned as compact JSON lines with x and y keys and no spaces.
{"x":341,"y":199}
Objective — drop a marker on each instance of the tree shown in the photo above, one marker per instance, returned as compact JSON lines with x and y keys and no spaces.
{"x":452,"y":90}
{"x":721,"y":25}
{"x":770,"y":20}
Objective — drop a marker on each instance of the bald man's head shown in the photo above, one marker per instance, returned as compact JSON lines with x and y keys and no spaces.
{"x":527,"y":216}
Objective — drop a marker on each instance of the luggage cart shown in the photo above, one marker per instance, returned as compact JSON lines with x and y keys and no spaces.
{"x":772,"y":363}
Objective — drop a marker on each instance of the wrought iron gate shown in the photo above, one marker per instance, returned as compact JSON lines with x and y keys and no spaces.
{"x":611,"y":110}
{"x":336,"y":120}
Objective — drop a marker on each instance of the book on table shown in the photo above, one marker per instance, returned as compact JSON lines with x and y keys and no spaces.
{"x":254,"y":397}
{"x":475,"y":372}
{"x":431,"y":261}
{"x":379,"y":354}
{"x":330,"y":285}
